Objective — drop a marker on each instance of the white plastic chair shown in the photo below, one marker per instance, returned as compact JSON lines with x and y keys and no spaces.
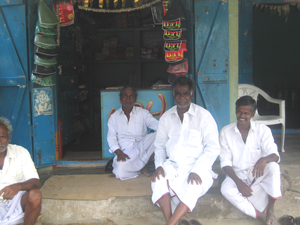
{"x":247,"y":89}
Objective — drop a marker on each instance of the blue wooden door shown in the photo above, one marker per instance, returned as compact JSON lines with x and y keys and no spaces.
{"x":43,"y":101}
{"x":18,"y":97}
{"x":211,"y":60}
{"x":14,"y":77}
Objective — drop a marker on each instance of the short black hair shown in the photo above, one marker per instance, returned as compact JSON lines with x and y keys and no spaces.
{"x":246,"y":100}
{"x":182,"y":80}
{"x":126,"y":88}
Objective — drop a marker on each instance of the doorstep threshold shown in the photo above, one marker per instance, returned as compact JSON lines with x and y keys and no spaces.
{"x":81,"y":163}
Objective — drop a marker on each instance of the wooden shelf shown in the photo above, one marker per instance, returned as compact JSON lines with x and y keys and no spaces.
{"x":113,"y":61}
{"x":134,"y":37}
{"x":152,"y":60}
{"x":129,"y":61}
{"x":130,"y":29}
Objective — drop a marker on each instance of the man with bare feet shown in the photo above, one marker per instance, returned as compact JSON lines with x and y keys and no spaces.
{"x":249,"y":157}
{"x":186,"y":147}
{"x":128,"y":137}
{"x":20,"y":198}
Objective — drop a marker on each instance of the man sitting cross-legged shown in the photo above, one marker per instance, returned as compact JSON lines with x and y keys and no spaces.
{"x":249,"y":156}
{"x":186,"y":146}
{"x":128,"y":138}
{"x":20,"y":198}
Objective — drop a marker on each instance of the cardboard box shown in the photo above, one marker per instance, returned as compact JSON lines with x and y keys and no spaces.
{"x":113,"y":41}
{"x":129,"y":55}
{"x":105,"y":50}
{"x":106,"y":43}
{"x":120,"y":56}
{"x":113,"y":50}
{"x":98,"y":56}
{"x":143,"y":51}
{"x":130,"y":50}
{"x":113,"y":57}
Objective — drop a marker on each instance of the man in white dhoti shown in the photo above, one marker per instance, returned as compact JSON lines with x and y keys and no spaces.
{"x":20,"y":198}
{"x":249,"y":157}
{"x":186,"y":146}
{"x":128,"y":137}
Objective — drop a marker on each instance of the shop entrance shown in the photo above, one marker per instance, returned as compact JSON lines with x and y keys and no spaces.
{"x":104,"y":52}
{"x":276,"y":67}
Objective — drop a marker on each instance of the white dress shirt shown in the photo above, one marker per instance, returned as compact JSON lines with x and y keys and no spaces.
{"x":191,"y":145}
{"x":123,"y":133}
{"x":18,"y":166}
{"x":241,"y":156}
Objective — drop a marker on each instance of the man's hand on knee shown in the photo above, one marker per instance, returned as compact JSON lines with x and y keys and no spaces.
{"x":193,"y":177}
{"x":259,"y":167}
{"x":10,"y":191}
{"x":121,"y":156}
{"x":244,"y":189}
{"x":261,"y":164}
{"x":159,"y":171}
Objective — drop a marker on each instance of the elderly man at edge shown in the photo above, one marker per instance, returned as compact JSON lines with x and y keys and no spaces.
{"x":249,"y":156}
{"x":19,"y":182}
{"x":128,"y":137}
{"x":186,"y":146}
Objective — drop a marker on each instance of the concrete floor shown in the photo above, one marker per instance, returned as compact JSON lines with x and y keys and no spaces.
{"x":74,"y":151}
{"x":211,"y":208}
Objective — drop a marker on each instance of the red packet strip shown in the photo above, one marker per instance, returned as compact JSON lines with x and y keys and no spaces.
{"x":179,"y":68}
{"x":171,"y":24}
{"x":175,"y":46}
{"x":175,"y":56}
{"x":166,"y":5}
{"x":173,"y":34}
{"x":66,"y":13}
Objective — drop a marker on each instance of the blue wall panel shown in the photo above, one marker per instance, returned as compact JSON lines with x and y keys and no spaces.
{"x":14,"y":90}
{"x":44,"y":119}
{"x":211,"y":58}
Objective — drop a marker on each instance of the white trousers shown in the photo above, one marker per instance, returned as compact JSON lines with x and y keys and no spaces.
{"x":180,"y":191}
{"x":264,"y":186}
{"x":139,"y":155}
{"x":11,"y":212}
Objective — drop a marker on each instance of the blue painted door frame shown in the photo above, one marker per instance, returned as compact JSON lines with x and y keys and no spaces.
{"x":211,"y":58}
{"x":44,"y":125}
{"x":35,"y":133}
{"x":14,"y":76}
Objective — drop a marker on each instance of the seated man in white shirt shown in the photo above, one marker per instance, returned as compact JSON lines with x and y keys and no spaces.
{"x":186,"y":146}
{"x":20,"y":198}
{"x":249,"y":157}
{"x":128,"y":137}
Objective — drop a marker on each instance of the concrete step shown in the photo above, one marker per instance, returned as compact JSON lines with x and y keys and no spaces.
{"x":102,"y":199}
{"x":57,"y":211}
{"x":212,"y":209}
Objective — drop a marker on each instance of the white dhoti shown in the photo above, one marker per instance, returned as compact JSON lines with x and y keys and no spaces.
{"x":175,"y":183}
{"x":139,"y":155}
{"x":11,"y":212}
{"x":264,"y":186}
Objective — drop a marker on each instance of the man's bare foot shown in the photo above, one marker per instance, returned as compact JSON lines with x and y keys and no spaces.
{"x":261,"y":216}
{"x":270,"y":218}
{"x":145,"y":171}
